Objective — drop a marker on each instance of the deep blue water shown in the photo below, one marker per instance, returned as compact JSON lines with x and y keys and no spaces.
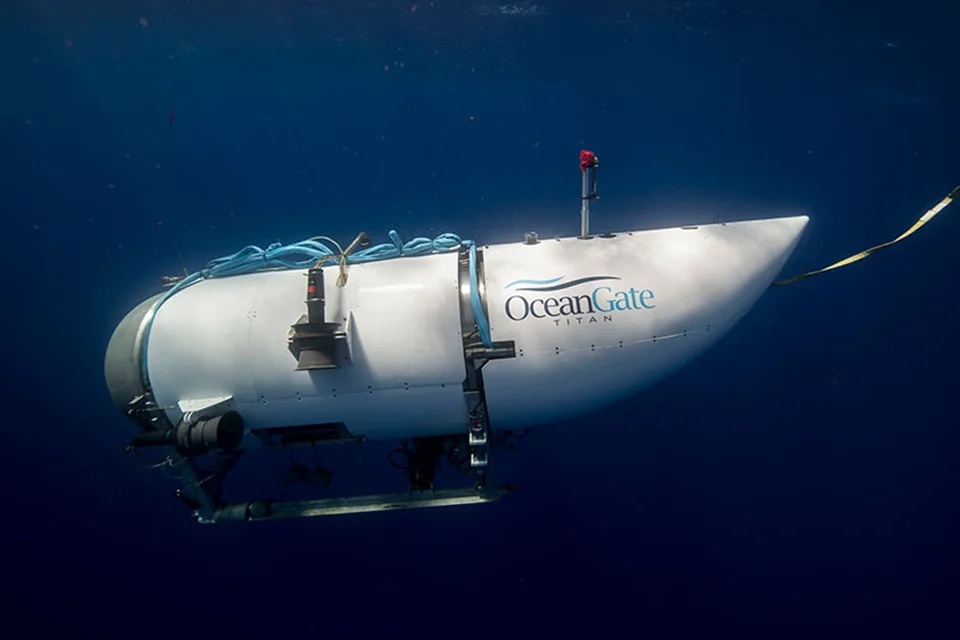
{"x":799,"y":480}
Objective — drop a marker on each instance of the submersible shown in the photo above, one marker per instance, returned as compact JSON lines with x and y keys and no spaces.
{"x":445,"y":344}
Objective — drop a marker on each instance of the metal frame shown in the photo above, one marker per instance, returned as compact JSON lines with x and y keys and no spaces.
{"x":200,"y":489}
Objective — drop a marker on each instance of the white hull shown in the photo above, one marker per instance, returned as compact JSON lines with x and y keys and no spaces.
{"x":648,"y":303}
{"x":690,"y":286}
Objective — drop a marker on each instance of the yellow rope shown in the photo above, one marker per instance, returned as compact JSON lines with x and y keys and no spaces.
{"x":924,"y":219}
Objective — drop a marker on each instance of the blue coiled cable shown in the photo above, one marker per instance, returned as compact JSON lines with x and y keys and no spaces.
{"x":306,"y":253}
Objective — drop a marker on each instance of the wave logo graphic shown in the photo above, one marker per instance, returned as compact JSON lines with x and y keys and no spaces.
{"x":528,"y":300}
{"x":551,"y":285}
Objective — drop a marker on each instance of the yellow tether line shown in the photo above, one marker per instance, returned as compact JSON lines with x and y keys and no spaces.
{"x":924,"y":219}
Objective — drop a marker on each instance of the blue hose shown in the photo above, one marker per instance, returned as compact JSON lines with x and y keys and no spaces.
{"x":306,"y":253}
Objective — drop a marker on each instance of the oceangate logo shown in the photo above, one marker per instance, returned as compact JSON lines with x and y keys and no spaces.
{"x":604,"y":301}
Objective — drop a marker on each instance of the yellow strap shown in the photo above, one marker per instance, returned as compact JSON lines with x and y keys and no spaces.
{"x":924,"y":219}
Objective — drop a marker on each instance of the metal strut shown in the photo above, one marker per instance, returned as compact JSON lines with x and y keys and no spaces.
{"x":476,"y":355}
